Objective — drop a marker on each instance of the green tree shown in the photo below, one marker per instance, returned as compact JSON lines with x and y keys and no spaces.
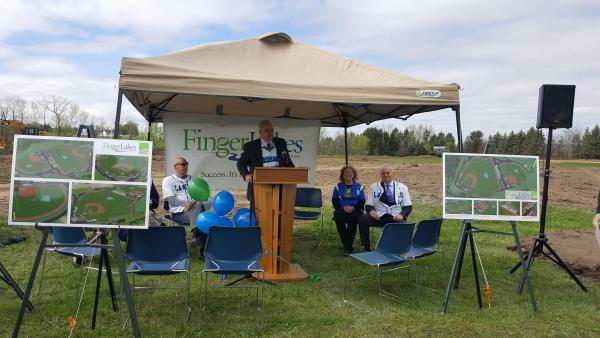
{"x":587,"y":144}
{"x":474,"y":142}
{"x":129,"y":129}
{"x":360,"y":145}
{"x":534,"y":142}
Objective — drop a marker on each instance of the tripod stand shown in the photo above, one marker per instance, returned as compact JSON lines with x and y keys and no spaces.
{"x":541,"y":242}
{"x":7,"y":278}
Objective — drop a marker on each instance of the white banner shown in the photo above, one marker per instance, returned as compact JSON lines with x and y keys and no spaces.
{"x":212,"y":145}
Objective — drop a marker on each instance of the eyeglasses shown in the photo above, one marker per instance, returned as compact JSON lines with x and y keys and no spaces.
{"x":182,"y":164}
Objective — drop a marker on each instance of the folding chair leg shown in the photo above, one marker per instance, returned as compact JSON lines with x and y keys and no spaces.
{"x":257,"y":294}
{"x":379,"y":279}
{"x":261,"y":289}
{"x":380,"y":289}
{"x":419,"y":285}
{"x":81,"y":272}
{"x":414,"y":265}
{"x":203,"y":293}
{"x":188,"y":309}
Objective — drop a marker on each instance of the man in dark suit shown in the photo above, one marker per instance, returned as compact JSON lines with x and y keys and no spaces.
{"x":266,"y":151}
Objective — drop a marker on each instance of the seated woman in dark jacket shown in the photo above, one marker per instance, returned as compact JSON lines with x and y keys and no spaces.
{"x":348,"y":200}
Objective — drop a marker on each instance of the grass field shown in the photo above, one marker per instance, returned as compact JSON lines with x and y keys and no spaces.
{"x":331,"y":306}
{"x":575,"y":164}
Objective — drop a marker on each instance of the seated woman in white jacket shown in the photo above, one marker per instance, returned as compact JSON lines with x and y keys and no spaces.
{"x":388,"y":201}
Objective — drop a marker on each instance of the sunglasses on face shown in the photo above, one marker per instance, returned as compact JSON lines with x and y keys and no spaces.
{"x":182,"y":164}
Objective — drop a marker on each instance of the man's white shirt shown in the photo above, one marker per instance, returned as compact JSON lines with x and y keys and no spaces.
{"x":269,"y":156}
{"x":174,"y":186}
{"x":401,"y":197}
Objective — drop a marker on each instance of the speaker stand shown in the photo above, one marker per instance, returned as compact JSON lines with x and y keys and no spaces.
{"x":541,"y":241}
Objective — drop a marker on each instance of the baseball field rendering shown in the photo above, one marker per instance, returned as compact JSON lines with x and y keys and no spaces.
{"x":40,"y":202}
{"x":491,"y":177}
{"x":110,"y":204}
{"x":43,"y":158}
{"x":121,"y":168}
{"x":491,"y":186}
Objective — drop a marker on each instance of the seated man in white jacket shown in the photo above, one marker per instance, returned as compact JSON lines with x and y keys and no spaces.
{"x":388,"y":201}
{"x":182,"y":207}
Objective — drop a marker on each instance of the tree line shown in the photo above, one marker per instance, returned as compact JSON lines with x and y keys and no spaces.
{"x":572,"y":143}
{"x":59,"y":116}
{"x":414,"y":140}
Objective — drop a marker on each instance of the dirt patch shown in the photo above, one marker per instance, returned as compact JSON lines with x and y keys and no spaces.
{"x":95,"y":207}
{"x":578,"y":249}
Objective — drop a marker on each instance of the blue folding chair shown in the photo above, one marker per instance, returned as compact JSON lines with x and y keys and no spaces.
{"x":425,"y":243}
{"x":395,"y":240}
{"x":159,"y":251}
{"x":426,"y":239}
{"x":69,"y":235}
{"x":309,"y":198}
{"x":233,"y":251}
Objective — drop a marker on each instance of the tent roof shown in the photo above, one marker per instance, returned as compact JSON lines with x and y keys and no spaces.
{"x":274,"y":76}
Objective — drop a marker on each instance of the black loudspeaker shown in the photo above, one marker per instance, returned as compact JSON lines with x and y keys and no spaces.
{"x":555,"y":106}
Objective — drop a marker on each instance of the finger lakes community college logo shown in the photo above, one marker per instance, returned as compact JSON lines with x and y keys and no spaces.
{"x":226,"y":146}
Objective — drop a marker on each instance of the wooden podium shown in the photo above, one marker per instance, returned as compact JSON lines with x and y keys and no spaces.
{"x":274,"y":200}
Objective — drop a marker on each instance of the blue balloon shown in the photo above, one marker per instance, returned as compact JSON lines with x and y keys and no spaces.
{"x":207,"y":219}
{"x":241,"y":218}
{"x":226,"y":222}
{"x":223,"y":203}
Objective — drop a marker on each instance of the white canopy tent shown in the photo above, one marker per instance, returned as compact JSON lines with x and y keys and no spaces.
{"x":273,"y":76}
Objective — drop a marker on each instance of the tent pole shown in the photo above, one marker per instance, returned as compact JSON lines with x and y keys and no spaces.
{"x":118,"y":114}
{"x":149,"y":129}
{"x":346,"y":143}
{"x":345,"y":117}
{"x":117,"y":244}
{"x":458,"y":128}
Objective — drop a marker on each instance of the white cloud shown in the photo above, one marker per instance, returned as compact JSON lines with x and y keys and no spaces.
{"x":34,"y":79}
{"x":151,"y":21}
{"x":499,"y":52}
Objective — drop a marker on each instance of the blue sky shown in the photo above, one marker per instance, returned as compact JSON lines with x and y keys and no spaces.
{"x":500,"y":52}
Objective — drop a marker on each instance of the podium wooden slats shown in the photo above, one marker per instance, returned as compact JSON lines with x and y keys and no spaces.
{"x":274,"y":200}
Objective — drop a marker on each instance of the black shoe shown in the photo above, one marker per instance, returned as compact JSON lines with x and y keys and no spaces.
{"x":77,"y":261}
{"x":367,"y":248}
{"x":348,"y":251}
{"x":201,"y":253}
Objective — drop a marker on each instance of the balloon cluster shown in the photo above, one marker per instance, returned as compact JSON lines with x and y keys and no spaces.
{"x":223,"y":203}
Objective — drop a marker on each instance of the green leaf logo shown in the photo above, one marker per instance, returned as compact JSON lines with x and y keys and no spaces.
{"x":144,"y":148}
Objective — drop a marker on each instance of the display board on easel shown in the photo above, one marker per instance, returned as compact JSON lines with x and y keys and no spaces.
{"x":491,"y":187}
{"x":63,"y":181}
